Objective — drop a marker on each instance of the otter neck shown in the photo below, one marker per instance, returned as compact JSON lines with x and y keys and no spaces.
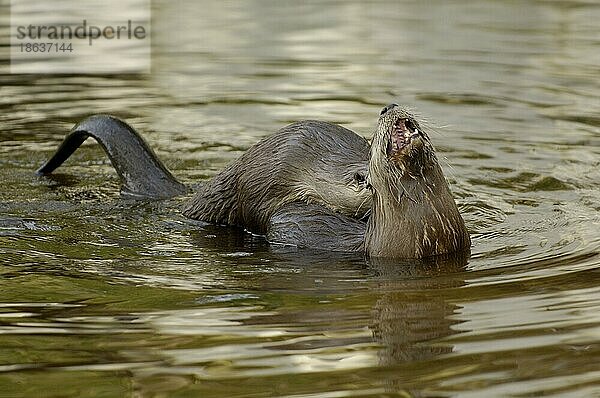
{"x":414,"y":217}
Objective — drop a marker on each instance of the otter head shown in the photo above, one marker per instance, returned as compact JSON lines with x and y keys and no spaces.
{"x":400,"y":148}
{"x":413,"y":213}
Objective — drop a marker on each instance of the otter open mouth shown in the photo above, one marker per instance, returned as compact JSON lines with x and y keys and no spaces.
{"x":404,"y":131}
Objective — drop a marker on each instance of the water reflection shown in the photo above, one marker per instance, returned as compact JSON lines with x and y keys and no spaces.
{"x":405,"y":319}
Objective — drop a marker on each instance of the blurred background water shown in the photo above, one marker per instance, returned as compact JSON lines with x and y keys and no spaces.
{"x":101,"y":296}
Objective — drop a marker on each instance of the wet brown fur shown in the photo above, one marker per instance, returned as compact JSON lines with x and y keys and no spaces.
{"x":413,"y":213}
{"x":310,"y":162}
{"x":298,"y":188}
{"x":312,"y":184}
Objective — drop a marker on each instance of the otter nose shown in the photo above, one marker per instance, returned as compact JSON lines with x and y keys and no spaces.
{"x":387,"y":108}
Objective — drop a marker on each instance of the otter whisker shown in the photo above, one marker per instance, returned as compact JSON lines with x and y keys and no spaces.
{"x":405,"y":192}
{"x":361,"y":205}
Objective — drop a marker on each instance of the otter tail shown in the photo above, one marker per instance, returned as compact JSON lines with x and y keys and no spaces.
{"x":142,"y":174}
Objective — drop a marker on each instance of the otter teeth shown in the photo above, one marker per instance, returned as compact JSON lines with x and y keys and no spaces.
{"x":407,"y":135}
{"x":402,"y":136}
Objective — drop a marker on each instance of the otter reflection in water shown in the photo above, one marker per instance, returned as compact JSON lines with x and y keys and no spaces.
{"x":312,"y":184}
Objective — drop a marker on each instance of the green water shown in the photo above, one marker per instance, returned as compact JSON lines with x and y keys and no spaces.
{"x":106,"y":297}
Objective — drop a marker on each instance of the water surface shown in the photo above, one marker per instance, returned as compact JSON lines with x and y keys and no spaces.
{"x":103,"y":296}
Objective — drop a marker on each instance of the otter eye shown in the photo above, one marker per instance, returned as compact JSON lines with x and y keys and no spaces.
{"x":387,"y":108}
{"x":359,"y":178}
{"x":410,"y":124}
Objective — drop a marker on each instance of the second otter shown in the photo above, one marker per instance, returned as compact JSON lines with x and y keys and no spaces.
{"x":310,"y":185}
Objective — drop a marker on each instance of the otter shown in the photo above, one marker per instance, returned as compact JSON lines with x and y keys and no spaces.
{"x":312,"y":184}
{"x":309,"y":162}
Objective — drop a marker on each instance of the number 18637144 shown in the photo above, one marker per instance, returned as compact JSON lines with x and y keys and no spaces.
{"x":46,"y":47}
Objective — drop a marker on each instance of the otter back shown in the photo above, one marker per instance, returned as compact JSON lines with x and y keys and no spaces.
{"x":309,"y":162}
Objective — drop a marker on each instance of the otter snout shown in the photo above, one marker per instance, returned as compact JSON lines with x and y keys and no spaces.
{"x":386,"y":108}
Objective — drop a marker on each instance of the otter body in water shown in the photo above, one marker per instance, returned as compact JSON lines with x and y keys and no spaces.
{"x":307,"y":162}
{"x":312,"y":184}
